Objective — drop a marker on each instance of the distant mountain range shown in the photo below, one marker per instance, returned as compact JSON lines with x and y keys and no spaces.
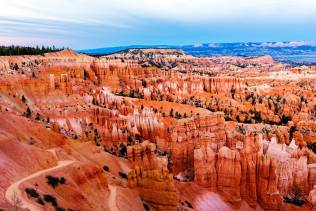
{"x":292,"y":52}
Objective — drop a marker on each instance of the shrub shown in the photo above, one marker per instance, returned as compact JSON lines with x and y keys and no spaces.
{"x":132,"y":93}
{"x":258,"y":117}
{"x":138,"y":137}
{"x":23,"y":99}
{"x":144,"y":83}
{"x":28,"y":113}
{"x":123,"y":150}
{"x":233,"y":91}
{"x":55,"y":181}
{"x":52,"y":181}
{"x":37,"y":117}
{"x":292,"y":130}
{"x":313,"y":147}
{"x":62,"y":180}
{"x":146,"y":207}
{"x":40,"y":201}
{"x":31,"y":192}
{"x":85,"y":74}
{"x":188,"y":204}
{"x":50,"y":199}
{"x":123,"y":175}
{"x":285,"y":119}
{"x":296,"y":201}
{"x":178,"y":115}
{"x":171,"y":112}
{"x":297,"y":198}
{"x":106,"y":168}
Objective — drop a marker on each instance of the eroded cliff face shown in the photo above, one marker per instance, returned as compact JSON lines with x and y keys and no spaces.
{"x":204,"y":130}
{"x":205,"y":173}
{"x":151,"y":177}
{"x":155,"y":186}
{"x":146,"y":124}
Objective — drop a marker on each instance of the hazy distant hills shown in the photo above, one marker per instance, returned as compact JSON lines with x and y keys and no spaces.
{"x":293,"y":52}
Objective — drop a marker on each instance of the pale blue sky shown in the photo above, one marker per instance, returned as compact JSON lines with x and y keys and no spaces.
{"x":83,"y":24}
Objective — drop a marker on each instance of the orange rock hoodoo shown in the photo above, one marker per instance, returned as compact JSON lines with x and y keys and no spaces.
{"x":136,"y":124}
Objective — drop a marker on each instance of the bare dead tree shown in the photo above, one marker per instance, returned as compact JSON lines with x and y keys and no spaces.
{"x":17,"y":203}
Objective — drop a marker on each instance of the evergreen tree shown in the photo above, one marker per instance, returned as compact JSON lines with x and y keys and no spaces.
{"x":24,"y":50}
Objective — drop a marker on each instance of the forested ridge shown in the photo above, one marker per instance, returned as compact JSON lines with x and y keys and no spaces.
{"x":26,"y":50}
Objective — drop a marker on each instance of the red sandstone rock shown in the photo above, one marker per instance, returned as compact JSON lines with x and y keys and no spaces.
{"x":80,"y":105}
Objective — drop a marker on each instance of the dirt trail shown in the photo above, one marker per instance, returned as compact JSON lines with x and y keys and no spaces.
{"x":112,"y":198}
{"x":14,"y":188}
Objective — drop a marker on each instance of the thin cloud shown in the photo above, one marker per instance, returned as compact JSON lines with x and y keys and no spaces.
{"x":29,"y":40}
{"x":223,"y":10}
{"x":71,"y":12}
{"x":156,"y":21}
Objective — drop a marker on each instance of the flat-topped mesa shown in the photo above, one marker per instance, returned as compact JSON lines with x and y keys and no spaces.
{"x":162,"y":58}
{"x":239,"y":61}
{"x":267,"y":59}
{"x":148,"y":53}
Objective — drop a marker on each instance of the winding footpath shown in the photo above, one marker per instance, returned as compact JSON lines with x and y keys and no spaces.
{"x":14,"y":188}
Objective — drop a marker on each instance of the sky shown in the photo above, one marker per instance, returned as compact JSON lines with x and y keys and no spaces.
{"x":85,"y":24}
